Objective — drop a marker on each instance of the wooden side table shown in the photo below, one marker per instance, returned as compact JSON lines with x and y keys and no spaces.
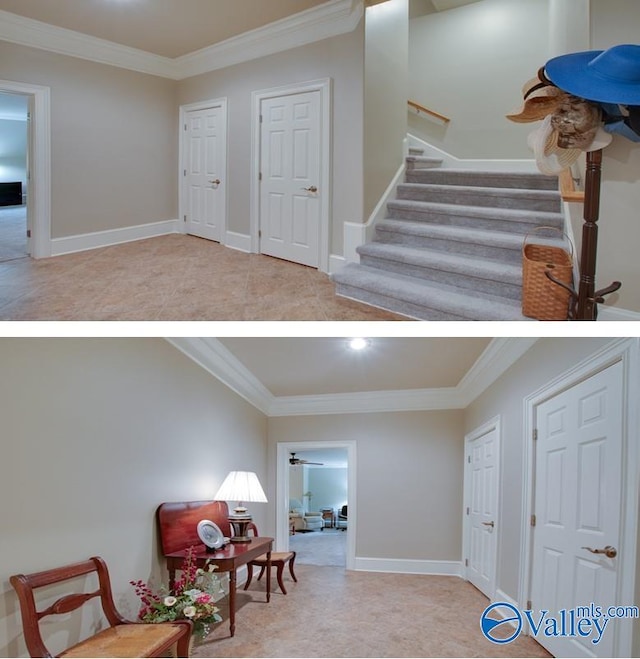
{"x":328,"y":515}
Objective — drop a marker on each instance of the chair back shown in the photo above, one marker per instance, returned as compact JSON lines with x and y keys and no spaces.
{"x":26,"y":584}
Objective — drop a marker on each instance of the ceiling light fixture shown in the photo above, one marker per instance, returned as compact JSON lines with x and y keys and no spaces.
{"x":359,"y":343}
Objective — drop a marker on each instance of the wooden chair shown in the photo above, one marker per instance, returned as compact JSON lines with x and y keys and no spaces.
{"x":123,"y":638}
{"x":278,"y":559}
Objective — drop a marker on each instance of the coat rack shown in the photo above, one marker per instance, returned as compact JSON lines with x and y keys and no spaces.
{"x":584,"y":301}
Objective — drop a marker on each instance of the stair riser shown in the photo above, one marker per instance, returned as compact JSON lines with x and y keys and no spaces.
{"x":480,"y":197}
{"x":471,"y":221}
{"x":483,"y":180}
{"x":392,"y":304}
{"x":490,"y":252}
{"x":465,"y":281}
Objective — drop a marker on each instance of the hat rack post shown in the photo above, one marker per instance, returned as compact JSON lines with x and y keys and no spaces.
{"x":585,"y":301}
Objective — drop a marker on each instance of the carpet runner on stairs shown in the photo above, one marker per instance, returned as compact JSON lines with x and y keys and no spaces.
{"x":450,"y":247}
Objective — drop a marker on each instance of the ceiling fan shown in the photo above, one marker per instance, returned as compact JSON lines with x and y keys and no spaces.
{"x":299,"y":461}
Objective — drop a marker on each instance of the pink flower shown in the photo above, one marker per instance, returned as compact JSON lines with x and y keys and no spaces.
{"x":204,"y":598}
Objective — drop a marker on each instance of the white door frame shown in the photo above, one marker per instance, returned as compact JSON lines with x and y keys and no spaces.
{"x":324,"y":185}
{"x":487,"y":427}
{"x":626,"y":351}
{"x":39,"y":185}
{"x":282,"y":492}
{"x":191,"y":107}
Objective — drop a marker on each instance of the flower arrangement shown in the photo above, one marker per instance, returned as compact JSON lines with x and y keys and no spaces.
{"x":194,"y":597}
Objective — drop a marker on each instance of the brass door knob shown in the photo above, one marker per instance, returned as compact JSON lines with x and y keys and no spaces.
{"x":608,"y":551}
{"x":491,"y":524}
{"x":311,"y":188}
{"x":216,"y":182}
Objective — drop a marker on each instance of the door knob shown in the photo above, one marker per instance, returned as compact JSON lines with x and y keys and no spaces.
{"x":608,"y":551}
{"x":216,"y":182}
{"x":491,"y":524}
{"x":311,"y":188}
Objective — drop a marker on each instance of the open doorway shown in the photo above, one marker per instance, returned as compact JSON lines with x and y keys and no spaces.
{"x":316,"y":493}
{"x":14,"y":167}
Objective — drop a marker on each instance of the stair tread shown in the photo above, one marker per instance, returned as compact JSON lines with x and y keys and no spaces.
{"x":523,"y":178}
{"x":456,"y":233}
{"x":441,"y":297}
{"x":458,"y":263}
{"x":486,"y":190}
{"x":516,"y":214}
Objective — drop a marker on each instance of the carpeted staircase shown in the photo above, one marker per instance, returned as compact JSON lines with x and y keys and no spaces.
{"x":451,"y":245}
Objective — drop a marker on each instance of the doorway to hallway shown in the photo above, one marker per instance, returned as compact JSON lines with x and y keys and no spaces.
{"x":296,"y":490}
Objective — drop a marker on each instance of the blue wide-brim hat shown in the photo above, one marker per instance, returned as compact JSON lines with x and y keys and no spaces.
{"x":606,"y":76}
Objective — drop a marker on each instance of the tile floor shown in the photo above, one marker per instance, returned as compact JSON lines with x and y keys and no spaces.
{"x":333,"y":612}
{"x":173,"y":277}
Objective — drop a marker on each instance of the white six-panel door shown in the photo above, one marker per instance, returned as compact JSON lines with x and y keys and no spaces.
{"x":204,"y":171}
{"x":578,"y":464}
{"x":482,"y":509}
{"x":290,"y":177}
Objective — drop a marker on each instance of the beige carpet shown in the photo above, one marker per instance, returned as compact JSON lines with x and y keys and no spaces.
{"x":334,"y":613}
{"x":326,"y":547}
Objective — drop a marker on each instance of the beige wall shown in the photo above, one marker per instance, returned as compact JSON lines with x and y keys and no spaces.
{"x":113,"y":141}
{"x":470,"y":64}
{"x":95,"y":434}
{"x":409,"y":466}
{"x":386,"y":93}
{"x":339,"y":58}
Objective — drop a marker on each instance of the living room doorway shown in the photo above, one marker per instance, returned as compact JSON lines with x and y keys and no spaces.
{"x":318,"y":485}
{"x":315,"y":480}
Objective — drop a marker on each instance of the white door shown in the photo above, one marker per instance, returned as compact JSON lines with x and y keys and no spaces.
{"x":290,"y":203}
{"x":578,"y":462}
{"x":204,"y":171}
{"x":482,"y":466}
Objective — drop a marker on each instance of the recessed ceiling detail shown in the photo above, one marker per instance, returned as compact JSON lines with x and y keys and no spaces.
{"x":240,"y":367}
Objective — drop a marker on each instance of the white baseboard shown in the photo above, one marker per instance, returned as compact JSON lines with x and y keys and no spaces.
{"x":239,"y":241}
{"x":336,"y":263}
{"x":408,"y":566}
{"x":614,"y":314}
{"x":501,"y":596}
{"x":87,"y":241}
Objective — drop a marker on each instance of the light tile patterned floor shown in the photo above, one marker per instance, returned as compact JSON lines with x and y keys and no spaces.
{"x":173,"y":277}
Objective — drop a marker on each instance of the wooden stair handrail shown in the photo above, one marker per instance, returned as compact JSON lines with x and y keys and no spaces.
{"x":420,"y":108}
{"x":568,"y":190}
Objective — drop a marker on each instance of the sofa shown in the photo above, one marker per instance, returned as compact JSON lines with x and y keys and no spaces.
{"x":304,"y":521}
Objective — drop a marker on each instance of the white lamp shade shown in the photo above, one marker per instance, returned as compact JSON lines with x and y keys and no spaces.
{"x":241,"y":486}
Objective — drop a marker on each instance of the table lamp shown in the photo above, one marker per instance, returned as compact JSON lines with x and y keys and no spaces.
{"x":241,"y":486}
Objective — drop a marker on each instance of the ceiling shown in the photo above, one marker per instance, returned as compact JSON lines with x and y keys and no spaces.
{"x":169,"y":28}
{"x":320,"y":366}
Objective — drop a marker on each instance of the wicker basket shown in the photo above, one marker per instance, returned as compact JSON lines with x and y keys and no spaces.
{"x":542,"y":299}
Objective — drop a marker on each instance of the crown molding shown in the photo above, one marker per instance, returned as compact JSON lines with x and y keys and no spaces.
{"x":328,"y":20}
{"x":36,"y":34}
{"x":315,"y":24}
{"x":499,"y":355}
{"x":211,"y":355}
{"x":408,"y":400}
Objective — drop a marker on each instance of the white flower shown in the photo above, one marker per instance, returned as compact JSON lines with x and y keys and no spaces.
{"x":170,"y":600}
{"x":199,"y":571}
{"x":193,"y":593}
{"x":189,"y":611}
